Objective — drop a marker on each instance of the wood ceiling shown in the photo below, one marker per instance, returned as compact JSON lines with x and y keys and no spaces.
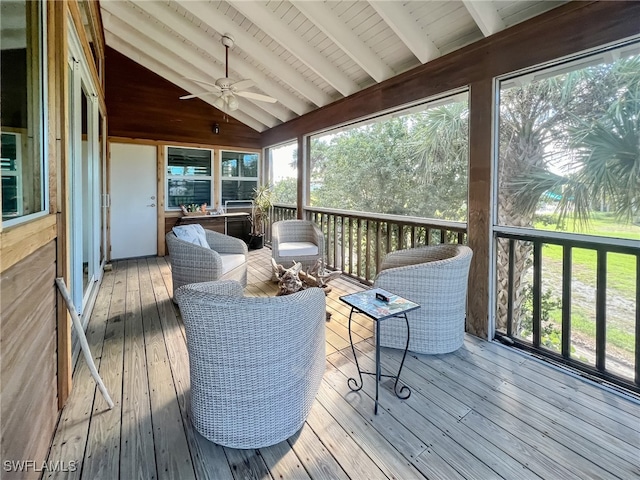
{"x":306,"y":54}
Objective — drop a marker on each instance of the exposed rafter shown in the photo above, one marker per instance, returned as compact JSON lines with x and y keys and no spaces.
{"x":272,"y":25}
{"x":249,"y":44}
{"x":170,"y":55}
{"x":168,"y":17}
{"x":405,"y":27}
{"x":485,"y":15}
{"x":334,"y":28}
{"x":174,"y":77}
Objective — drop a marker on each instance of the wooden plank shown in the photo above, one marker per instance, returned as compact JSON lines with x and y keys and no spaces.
{"x":137,"y":456}
{"x":208,"y":459}
{"x":315,"y":457}
{"x":172,"y":450}
{"x":143,"y":105}
{"x":474,"y":456}
{"x":559,"y":450}
{"x":71,"y":435}
{"x":102,"y":454}
{"x":160,"y":200}
{"x":381,"y":448}
{"x":246,"y":464}
{"x":282,"y":462}
{"x":20,"y":241}
{"x":342,"y":446}
{"x":27,"y":364}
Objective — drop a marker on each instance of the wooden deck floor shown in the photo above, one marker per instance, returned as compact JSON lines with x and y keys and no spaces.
{"x":483,"y":412}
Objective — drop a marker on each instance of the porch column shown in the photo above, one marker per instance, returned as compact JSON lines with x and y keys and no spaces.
{"x":480,"y":188}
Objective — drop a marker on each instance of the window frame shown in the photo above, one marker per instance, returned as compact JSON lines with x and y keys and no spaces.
{"x":210,"y":177}
{"x":43,"y":124}
{"x":222,"y":178}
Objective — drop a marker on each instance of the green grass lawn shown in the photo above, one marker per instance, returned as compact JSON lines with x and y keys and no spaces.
{"x":621,"y":275}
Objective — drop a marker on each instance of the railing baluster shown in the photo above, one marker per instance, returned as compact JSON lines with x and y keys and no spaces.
{"x":342,"y":242}
{"x":335,"y":241}
{"x":443,"y":235}
{"x":512,"y":262}
{"x":359,"y":248}
{"x":328,"y":241}
{"x":367,"y":272}
{"x":566,"y":301}
{"x":537,"y":291}
{"x":351,"y":245}
{"x":378,"y":246}
{"x":389,"y":235}
{"x":428,"y":236}
{"x":400,"y":237}
{"x":601,"y":310}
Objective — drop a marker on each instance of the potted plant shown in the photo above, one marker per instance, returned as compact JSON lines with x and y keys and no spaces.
{"x":259,"y":215}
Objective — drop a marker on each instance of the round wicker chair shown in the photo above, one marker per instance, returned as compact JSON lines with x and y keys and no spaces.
{"x":435,"y":277}
{"x":256,"y":363}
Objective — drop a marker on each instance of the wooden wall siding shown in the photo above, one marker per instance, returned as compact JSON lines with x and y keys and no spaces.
{"x":28,"y":364}
{"x":141,"y":104}
{"x":571,"y":28}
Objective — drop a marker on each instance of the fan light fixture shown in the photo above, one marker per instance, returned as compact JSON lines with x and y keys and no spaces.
{"x":226,"y":89}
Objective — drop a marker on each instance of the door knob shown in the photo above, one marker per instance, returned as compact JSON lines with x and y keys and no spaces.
{"x":153,"y":197}
{"x":152,"y":205}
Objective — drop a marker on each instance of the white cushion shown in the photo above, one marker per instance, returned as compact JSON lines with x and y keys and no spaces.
{"x":297,"y":249}
{"x":231,"y":261}
{"x":192,"y":233}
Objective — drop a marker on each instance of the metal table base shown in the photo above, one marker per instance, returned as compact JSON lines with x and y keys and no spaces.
{"x":404,"y":392}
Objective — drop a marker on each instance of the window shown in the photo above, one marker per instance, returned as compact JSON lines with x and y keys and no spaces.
{"x":283,"y":173}
{"x":22,"y":119}
{"x":189,"y":177}
{"x":568,"y":172}
{"x":239,"y":176}
{"x":411,"y":162}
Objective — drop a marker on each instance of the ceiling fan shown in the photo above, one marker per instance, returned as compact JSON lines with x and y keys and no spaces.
{"x":226,"y":89}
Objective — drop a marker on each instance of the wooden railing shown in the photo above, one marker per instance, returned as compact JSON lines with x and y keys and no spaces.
{"x":562,"y":278}
{"x":279,"y":211}
{"x":356,"y":242}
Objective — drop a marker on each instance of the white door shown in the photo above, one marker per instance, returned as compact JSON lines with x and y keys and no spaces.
{"x":134,"y":221}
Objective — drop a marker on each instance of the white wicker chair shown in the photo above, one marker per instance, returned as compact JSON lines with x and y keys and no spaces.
{"x":192,"y":263}
{"x":299,"y":240}
{"x":435,"y":277}
{"x":256,"y":363}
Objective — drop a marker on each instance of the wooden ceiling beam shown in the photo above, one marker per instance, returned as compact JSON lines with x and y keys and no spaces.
{"x":198,"y":66}
{"x":127,"y":48}
{"x":267,"y":21}
{"x":485,"y":15}
{"x":333,"y":27}
{"x":259,"y":52}
{"x":187,"y":30}
{"x":405,"y":27}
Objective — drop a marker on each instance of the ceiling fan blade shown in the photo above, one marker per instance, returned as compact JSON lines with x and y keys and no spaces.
{"x":197,"y":95}
{"x":209,"y":84}
{"x":242,"y":85}
{"x":256,"y":96}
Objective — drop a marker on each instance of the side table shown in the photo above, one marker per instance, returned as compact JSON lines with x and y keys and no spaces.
{"x":378,"y":310}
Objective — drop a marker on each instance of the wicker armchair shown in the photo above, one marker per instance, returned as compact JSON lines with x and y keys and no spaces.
{"x":299,"y":240}
{"x":256,"y":363}
{"x":436,"y":277}
{"x":225,"y":260}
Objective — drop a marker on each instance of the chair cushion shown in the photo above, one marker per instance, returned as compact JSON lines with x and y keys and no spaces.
{"x":192,"y":234}
{"x":297,"y":249}
{"x":231,"y":261}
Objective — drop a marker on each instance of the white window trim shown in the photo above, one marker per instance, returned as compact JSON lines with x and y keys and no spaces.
{"x":168,"y":177}
{"x":256,"y":179}
{"x":44,"y":128}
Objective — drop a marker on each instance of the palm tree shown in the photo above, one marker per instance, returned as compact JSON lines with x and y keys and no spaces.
{"x":588,"y":121}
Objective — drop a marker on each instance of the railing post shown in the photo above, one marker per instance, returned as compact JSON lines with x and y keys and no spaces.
{"x":537,"y":291}
{"x":601,"y":310}
{"x":566,"y":301}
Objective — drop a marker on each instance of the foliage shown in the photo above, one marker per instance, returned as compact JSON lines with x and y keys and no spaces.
{"x":260,"y":209}
{"x":286,"y":191}
{"x":550,"y":333}
{"x":414,"y":164}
